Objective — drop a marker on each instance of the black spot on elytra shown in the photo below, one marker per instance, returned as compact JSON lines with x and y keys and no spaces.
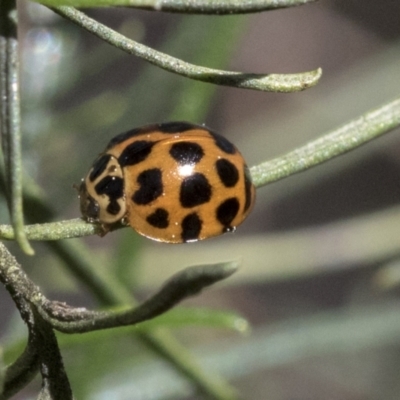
{"x":135,"y":153}
{"x":130,"y":134}
{"x":224,"y":144}
{"x":113,"y":208}
{"x":167,"y":127}
{"x":151,"y":186}
{"x":176,"y":127}
{"x":227,"y":211}
{"x":227,"y":172}
{"x":99,"y":167}
{"x":159,"y":218}
{"x":112,"y":186}
{"x":186,"y":152}
{"x":195,"y":190}
{"x":191,"y":227}
{"x":247,"y":188}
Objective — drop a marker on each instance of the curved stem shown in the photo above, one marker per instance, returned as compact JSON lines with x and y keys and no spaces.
{"x":184,"y":284}
{"x":55,"y":382}
{"x":21,"y":372}
{"x":11,"y":119}
{"x":42,"y":350}
{"x":283,"y":83}
{"x":21,"y":288}
{"x":215,"y":7}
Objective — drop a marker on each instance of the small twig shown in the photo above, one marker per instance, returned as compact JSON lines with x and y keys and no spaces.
{"x":110,"y":292}
{"x":348,"y":137}
{"x":55,"y":383}
{"x":42,"y":341}
{"x":215,"y":7}
{"x":284,"y":83}
{"x":21,"y":371}
{"x":25,"y":368}
{"x":71,"y":320}
{"x":11,"y":119}
{"x":68,"y":229}
{"x":184,"y":284}
{"x":47,"y":315}
{"x":17,"y":282}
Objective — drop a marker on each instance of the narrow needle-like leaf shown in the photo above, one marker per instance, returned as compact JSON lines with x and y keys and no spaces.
{"x":11,"y":119}
{"x":284,"y":83}
{"x":348,"y":137}
{"x":213,"y":7}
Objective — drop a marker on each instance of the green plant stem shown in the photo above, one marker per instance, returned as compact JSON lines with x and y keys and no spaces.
{"x":284,"y":83}
{"x":23,"y":370}
{"x":46,"y":315}
{"x":42,"y":350}
{"x":195,"y":98}
{"x":68,"y":229}
{"x":348,"y":137}
{"x":20,"y":372}
{"x":110,"y":292}
{"x":11,"y":119}
{"x":185,"y":283}
{"x":55,"y":382}
{"x":213,"y":7}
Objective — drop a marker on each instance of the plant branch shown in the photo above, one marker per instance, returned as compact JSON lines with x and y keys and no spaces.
{"x":42,"y":341}
{"x":78,"y":320}
{"x":11,"y":119}
{"x":184,"y":284}
{"x":216,"y":7}
{"x":21,"y":371}
{"x":348,"y":137}
{"x":27,"y":295}
{"x":55,"y":383}
{"x":284,"y":83}
{"x":68,"y":229}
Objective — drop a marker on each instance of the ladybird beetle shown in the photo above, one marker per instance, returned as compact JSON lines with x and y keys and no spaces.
{"x":172,"y":182}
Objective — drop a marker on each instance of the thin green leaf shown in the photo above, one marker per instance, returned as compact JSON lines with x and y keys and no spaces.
{"x":283,"y":83}
{"x":186,"y":6}
{"x":201,"y":317}
{"x":348,"y":137}
{"x":11,"y":119}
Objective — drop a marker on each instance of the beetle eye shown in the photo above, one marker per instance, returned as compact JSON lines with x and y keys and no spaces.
{"x":89,"y":206}
{"x":92,"y":208}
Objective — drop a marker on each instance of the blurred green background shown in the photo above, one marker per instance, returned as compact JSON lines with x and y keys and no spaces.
{"x":319,"y":254}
